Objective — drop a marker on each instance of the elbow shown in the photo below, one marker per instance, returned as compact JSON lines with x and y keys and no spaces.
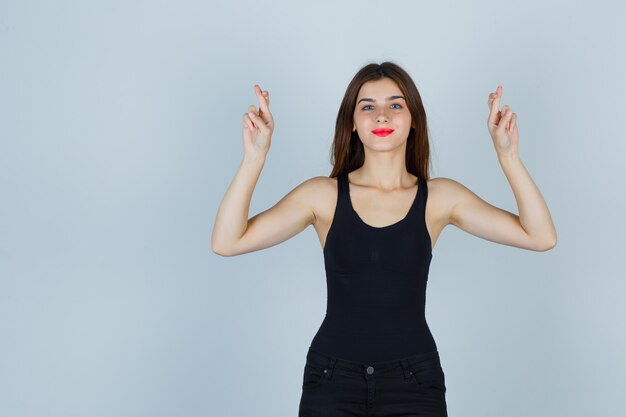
{"x":219,"y":250}
{"x":216,"y":250}
{"x":546,"y":246}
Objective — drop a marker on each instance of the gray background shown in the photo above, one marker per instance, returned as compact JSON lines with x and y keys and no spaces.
{"x":120,"y":130}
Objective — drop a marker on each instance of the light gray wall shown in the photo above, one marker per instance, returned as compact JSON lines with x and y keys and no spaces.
{"x":120,"y":130}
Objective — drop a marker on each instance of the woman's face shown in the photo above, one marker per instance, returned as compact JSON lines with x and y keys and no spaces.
{"x":381,"y":104}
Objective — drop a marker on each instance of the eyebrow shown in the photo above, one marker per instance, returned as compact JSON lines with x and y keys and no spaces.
{"x":387,"y":99}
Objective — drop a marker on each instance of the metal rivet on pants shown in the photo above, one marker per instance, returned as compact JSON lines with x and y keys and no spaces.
{"x":370,"y":370}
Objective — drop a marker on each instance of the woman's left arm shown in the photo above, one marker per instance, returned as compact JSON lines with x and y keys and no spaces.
{"x":533,"y":228}
{"x":534,"y":216}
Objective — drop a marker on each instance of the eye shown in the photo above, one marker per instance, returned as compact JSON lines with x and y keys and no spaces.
{"x":394,"y":104}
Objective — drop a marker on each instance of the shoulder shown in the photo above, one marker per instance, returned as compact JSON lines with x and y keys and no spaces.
{"x":320,"y":189}
{"x":316,"y":185}
{"x":313,"y":188}
{"x":444,"y":194}
{"x":319,"y":193}
{"x":443,"y":184}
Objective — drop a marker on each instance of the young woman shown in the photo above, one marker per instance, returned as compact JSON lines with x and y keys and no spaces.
{"x":378,"y":216}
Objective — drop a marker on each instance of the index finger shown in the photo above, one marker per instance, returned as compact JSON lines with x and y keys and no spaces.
{"x":263,"y":101}
{"x":495,"y":104}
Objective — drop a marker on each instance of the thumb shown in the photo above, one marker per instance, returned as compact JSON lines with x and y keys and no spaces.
{"x":258,"y":121}
{"x":504,"y":121}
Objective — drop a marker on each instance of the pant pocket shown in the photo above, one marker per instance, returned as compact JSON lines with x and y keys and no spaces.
{"x":430,"y":379}
{"x":313,"y":376}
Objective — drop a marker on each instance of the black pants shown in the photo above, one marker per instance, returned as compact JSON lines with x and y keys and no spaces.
{"x":408,"y":387}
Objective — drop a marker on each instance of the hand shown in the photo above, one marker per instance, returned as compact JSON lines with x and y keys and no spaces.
{"x":258,"y":126}
{"x":502,"y":126}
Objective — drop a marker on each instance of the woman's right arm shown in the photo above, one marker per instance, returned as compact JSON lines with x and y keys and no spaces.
{"x":233,"y":234}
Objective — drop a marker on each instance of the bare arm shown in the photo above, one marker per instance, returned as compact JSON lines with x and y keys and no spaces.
{"x":533,"y":228}
{"x":231,"y":220}
{"x":235,"y":234}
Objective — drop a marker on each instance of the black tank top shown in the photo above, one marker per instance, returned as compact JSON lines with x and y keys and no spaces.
{"x":376,"y":284}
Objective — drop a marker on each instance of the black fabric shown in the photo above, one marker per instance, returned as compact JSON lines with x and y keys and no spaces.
{"x":376,"y":284}
{"x":411,"y":386}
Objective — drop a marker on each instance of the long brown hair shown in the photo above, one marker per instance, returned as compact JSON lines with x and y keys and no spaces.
{"x":347,"y":149}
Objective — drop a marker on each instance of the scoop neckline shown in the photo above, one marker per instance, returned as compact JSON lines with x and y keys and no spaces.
{"x":402,"y":220}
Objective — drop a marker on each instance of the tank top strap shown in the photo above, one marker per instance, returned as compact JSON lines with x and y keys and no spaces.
{"x":342,"y":184}
{"x":421,"y":206}
{"x":423,"y":189}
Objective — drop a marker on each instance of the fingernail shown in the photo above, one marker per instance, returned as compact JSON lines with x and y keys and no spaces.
{"x":251,"y":114}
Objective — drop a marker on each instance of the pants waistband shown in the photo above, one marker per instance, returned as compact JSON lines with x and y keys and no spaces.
{"x":408,"y":363}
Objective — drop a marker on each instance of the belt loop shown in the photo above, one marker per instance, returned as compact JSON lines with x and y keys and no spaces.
{"x":406,"y":367}
{"x":331,"y":366}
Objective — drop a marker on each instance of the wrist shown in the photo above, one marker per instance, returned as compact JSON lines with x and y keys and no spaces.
{"x":254,"y":159}
{"x":509,"y":156}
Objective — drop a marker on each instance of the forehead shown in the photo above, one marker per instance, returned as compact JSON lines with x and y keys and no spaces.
{"x":379,"y":89}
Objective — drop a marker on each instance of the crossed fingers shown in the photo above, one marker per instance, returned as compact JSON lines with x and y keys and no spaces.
{"x":264,"y":102}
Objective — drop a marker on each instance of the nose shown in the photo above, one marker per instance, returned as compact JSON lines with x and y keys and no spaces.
{"x":382,"y":115}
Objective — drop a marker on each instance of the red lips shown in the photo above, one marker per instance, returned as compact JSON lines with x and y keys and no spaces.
{"x":382,"y":131}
